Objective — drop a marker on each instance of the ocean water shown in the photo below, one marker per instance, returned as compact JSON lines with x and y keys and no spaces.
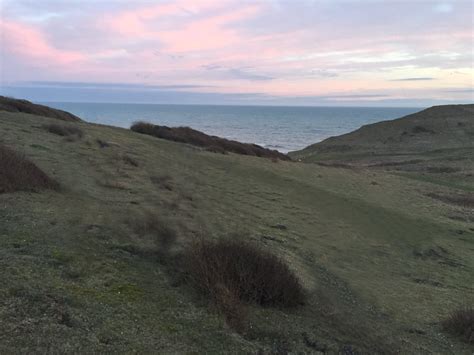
{"x":275,"y":127}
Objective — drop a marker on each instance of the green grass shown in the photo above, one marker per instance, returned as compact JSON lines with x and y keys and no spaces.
{"x":363,"y":251}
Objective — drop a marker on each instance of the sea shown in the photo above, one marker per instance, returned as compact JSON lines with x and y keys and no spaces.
{"x":275,"y":127}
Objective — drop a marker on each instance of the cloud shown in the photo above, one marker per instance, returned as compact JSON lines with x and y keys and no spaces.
{"x":443,"y":8}
{"x":235,"y":73}
{"x":354,"y":96}
{"x":278,"y":49}
{"x":113,"y":86}
{"x":414,"y":79}
{"x":26,"y":41}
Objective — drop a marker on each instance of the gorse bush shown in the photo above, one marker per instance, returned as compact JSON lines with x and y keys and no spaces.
{"x":63,"y":130}
{"x":243,"y":272}
{"x":461,"y":323}
{"x":19,"y":174}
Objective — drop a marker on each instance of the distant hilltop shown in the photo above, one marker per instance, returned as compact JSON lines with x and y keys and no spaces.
{"x":24,"y":106}
{"x":436,"y":128}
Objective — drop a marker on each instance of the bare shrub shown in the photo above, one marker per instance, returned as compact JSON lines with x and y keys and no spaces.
{"x":163,"y":181}
{"x":130,"y":161}
{"x":248,"y":272}
{"x":19,"y":174}
{"x":200,"y":139}
{"x":158,"y":229}
{"x":102,"y":143}
{"x":233,"y":274}
{"x":63,"y":130}
{"x":461,"y":323}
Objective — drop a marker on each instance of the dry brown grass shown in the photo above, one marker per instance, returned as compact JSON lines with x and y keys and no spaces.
{"x":19,"y":174}
{"x":461,"y":324}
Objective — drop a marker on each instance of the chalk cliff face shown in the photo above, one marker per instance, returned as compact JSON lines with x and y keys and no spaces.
{"x":24,"y":106}
{"x":438,"y":127}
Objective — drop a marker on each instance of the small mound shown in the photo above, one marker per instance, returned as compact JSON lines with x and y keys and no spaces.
{"x":244,"y":273}
{"x":211,"y":143}
{"x":461,"y":324}
{"x":14,"y":105}
{"x":19,"y":174}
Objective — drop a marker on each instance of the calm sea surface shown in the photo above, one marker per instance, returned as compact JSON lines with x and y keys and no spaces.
{"x":275,"y":127}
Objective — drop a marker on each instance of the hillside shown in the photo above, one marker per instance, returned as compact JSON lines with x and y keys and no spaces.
{"x":438,"y":127}
{"x":435,"y":145}
{"x":15,"y":105}
{"x":383,"y":257}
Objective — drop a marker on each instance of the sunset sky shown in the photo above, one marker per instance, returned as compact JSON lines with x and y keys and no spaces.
{"x":384,"y":53}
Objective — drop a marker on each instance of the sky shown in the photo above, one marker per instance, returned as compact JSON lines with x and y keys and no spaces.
{"x":269,"y":52}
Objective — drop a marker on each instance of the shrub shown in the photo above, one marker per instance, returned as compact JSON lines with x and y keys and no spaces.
{"x":130,"y":161}
{"x":163,"y":181}
{"x":102,"y":143}
{"x":158,"y":229}
{"x":461,"y":323}
{"x":63,"y":130}
{"x":200,"y":139}
{"x":242,"y":272}
{"x":19,"y":174}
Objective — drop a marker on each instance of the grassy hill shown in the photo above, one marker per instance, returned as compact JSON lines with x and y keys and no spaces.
{"x":435,"y":145}
{"x":83,"y":269}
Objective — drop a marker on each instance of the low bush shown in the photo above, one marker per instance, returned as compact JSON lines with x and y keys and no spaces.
{"x":242,"y":272}
{"x":102,"y":143}
{"x":19,"y":174}
{"x":200,"y":139}
{"x":465,"y":200}
{"x":163,"y":181}
{"x":130,"y":161}
{"x":155,"y":229}
{"x":461,"y":324}
{"x":63,"y":130}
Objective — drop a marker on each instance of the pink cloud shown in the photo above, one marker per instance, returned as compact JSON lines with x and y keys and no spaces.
{"x":200,"y":26}
{"x":30,"y":43}
{"x":210,"y":33}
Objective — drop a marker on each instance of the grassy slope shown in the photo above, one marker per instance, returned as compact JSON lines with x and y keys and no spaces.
{"x":382,"y":261}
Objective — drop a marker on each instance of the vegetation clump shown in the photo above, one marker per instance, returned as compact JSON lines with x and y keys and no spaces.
{"x":461,"y":324}
{"x":247,"y":272}
{"x":17,"y":173}
{"x":63,"y":130}
{"x":211,"y":143}
{"x":13,"y":105}
{"x":154,"y":229}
